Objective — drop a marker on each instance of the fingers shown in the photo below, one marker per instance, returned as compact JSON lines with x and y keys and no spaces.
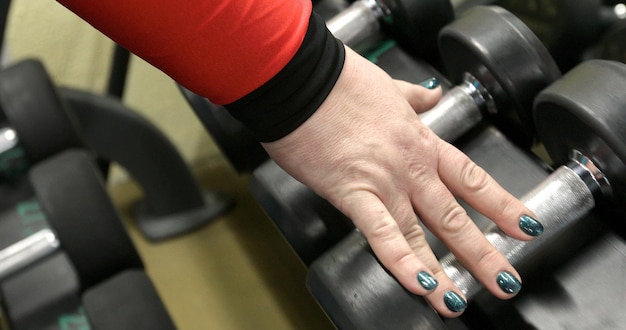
{"x":400,"y":245}
{"x":440,"y":211}
{"x":421,"y":97}
{"x":385,"y":237}
{"x":468,"y":181}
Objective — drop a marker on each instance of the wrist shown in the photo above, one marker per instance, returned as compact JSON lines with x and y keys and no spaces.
{"x":288,"y":99}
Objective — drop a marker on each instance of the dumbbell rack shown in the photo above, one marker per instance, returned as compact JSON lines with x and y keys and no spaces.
{"x":174,"y":204}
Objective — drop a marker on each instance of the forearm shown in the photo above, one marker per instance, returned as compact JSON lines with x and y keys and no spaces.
{"x":270,"y":62}
{"x":222,"y":49}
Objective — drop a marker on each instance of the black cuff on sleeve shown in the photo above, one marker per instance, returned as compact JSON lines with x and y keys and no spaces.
{"x":287,"y":100}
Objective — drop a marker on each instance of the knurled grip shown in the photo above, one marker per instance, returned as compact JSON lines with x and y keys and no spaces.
{"x":558,"y":201}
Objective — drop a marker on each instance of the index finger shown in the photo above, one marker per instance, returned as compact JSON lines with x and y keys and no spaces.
{"x":474,"y":185}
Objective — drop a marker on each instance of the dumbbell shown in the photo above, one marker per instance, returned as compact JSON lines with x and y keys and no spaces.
{"x":73,"y":214}
{"x":48,"y":295}
{"x":567,"y":27}
{"x":584,"y":128}
{"x":128,"y":300}
{"x":413,"y":24}
{"x":499,"y":66}
{"x":34,"y":121}
{"x":45,"y":293}
{"x":498,"y":62}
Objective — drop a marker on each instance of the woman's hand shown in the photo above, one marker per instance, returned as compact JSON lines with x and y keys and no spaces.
{"x":366,"y":151}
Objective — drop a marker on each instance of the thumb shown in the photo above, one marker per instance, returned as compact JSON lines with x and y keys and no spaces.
{"x":423,"y":96}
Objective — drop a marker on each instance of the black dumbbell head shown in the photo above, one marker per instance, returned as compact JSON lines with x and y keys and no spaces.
{"x":415,"y":24}
{"x":500,"y":51}
{"x":128,"y":300}
{"x":34,"y":109}
{"x":586,"y":111}
{"x":79,"y":210}
{"x":566,"y":27}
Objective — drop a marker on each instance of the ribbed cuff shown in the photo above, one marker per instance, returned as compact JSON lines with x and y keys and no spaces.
{"x":287,"y":100}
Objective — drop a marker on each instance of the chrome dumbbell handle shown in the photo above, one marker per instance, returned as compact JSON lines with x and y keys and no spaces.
{"x":8,"y":139}
{"x":358,"y":26}
{"x":561,"y":199}
{"x":460,"y":109}
{"x":30,"y":249}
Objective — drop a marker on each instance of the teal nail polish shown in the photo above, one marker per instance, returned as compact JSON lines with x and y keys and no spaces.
{"x":530,"y":226}
{"x":426,"y":280}
{"x":454,"y":302}
{"x":430,"y":83}
{"x":509,"y":283}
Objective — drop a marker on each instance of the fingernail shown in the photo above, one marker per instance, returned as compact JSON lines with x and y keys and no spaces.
{"x":509,"y":283}
{"x":454,"y":302}
{"x":426,"y":280}
{"x":430,"y":83}
{"x":530,"y":226}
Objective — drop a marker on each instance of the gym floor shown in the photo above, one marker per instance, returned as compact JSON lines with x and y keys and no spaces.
{"x":234,"y":273}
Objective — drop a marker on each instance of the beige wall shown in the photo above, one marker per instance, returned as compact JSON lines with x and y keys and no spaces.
{"x":77,"y":55}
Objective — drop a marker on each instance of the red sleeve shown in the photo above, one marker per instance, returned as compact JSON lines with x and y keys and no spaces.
{"x":220,"y":49}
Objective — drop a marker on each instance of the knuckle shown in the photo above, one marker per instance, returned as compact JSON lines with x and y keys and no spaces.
{"x":418,"y":173}
{"x":426,"y":134}
{"x":473,"y":177}
{"x":416,"y":238}
{"x":454,"y":220}
{"x":359,"y":169}
{"x":383,"y":229}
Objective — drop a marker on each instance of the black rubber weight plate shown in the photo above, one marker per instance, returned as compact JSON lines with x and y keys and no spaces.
{"x":416,"y":24}
{"x":503,"y":54}
{"x":33,"y":108}
{"x":126,"y":301}
{"x":586,"y":111}
{"x":566,"y":27}
{"x":72,"y":195}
